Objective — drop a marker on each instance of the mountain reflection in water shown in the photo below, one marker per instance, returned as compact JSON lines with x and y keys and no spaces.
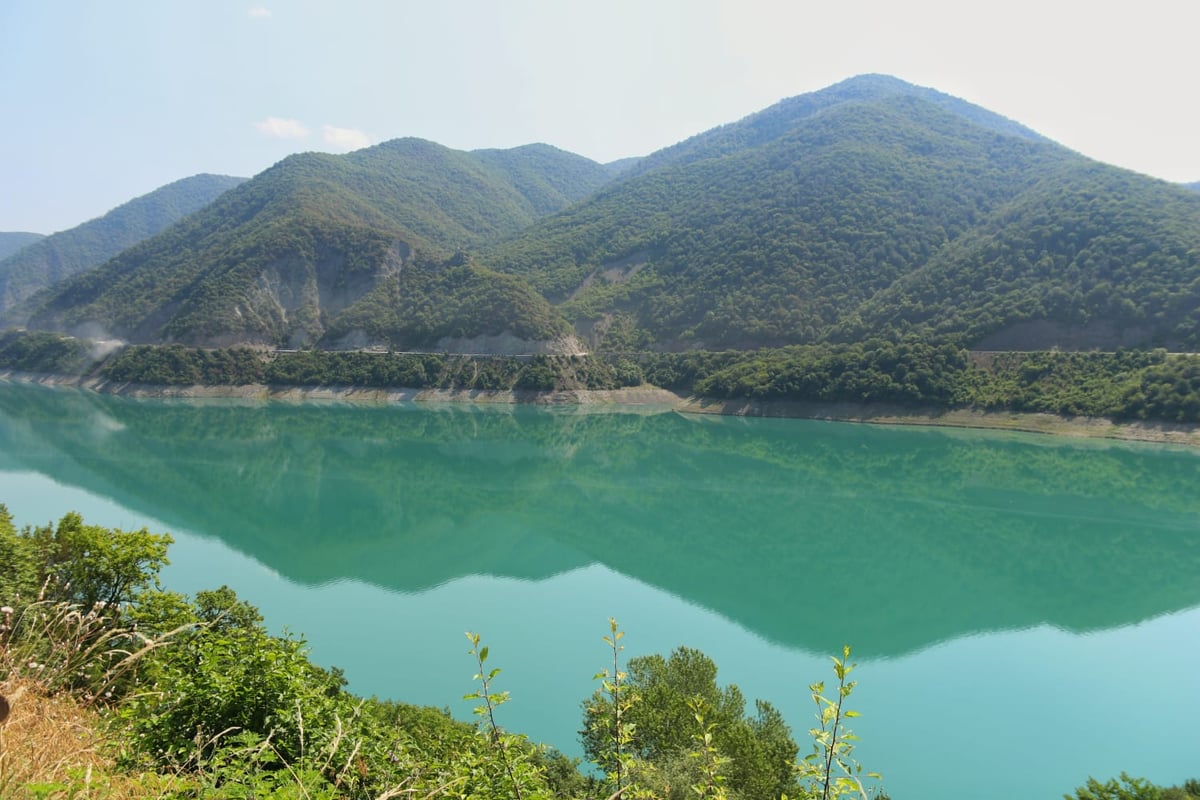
{"x":807,"y":533}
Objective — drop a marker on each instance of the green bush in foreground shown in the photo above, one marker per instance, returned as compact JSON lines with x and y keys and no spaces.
{"x":1128,"y":788}
{"x":673,"y":695}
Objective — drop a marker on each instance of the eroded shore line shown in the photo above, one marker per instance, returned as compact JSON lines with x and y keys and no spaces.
{"x":653,"y":399}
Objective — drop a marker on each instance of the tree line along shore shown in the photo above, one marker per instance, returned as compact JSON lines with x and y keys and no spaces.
{"x":1142,"y":394}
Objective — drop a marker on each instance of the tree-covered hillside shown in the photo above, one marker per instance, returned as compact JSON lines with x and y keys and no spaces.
{"x":775,"y":243}
{"x":12,"y":241}
{"x":816,"y":218}
{"x":548,"y":178}
{"x":49,"y":260}
{"x":279,"y":260}
{"x":1090,"y":257}
{"x":455,"y":199}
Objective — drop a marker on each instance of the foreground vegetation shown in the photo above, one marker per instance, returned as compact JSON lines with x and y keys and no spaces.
{"x":111,"y":686}
{"x":1126,"y":384}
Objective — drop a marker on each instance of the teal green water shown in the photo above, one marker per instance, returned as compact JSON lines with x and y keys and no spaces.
{"x":1025,"y":610}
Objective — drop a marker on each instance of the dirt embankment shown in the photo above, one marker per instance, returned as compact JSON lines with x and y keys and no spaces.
{"x":636,"y":395}
{"x":882,"y":414}
{"x":651,"y":398}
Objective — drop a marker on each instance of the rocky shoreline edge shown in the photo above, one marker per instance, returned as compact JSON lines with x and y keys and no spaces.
{"x":651,"y":399}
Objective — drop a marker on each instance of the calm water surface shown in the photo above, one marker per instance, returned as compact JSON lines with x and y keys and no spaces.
{"x":1025,"y":611}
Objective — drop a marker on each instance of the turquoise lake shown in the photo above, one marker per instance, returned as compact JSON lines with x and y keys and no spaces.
{"x":1024,"y":610}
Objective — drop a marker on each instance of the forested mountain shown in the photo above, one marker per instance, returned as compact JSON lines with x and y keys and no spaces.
{"x":775,"y":121}
{"x":1195,"y":187}
{"x":349,"y":250}
{"x":871,"y":208}
{"x":12,"y":241}
{"x":51,"y":259}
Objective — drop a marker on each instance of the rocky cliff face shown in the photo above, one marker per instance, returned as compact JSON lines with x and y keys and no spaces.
{"x":294,"y":298}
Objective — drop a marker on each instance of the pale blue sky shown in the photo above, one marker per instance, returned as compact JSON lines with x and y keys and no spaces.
{"x":104,"y":101}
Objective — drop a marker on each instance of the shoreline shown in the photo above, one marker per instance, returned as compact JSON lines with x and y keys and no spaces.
{"x":1094,"y":428}
{"x":656,"y":400}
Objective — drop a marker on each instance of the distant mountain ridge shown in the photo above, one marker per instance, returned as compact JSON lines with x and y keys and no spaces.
{"x":12,"y":241}
{"x":872,"y":208}
{"x":54,"y":258}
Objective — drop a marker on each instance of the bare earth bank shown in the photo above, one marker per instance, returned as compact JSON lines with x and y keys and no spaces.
{"x":653,"y":399}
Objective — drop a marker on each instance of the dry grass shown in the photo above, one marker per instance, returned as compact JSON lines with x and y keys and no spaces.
{"x":52,"y":747}
{"x":46,"y":740}
{"x":56,"y":661}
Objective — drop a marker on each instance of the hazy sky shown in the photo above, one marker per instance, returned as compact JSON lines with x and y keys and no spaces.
{"x":104,"y":101}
